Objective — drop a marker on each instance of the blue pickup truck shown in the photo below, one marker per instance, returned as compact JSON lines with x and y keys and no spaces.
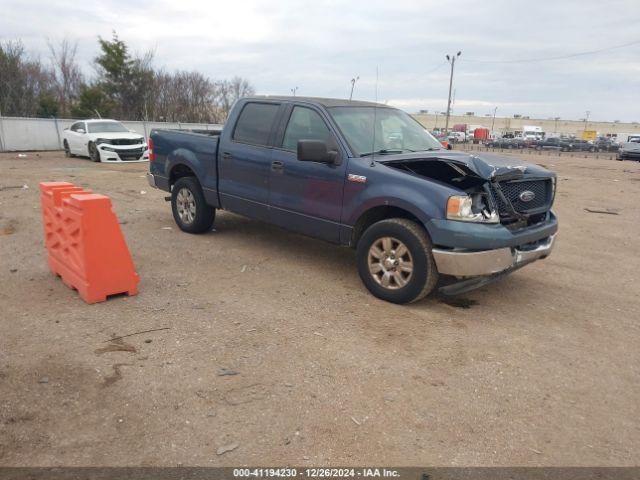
{"x":368,"y":176}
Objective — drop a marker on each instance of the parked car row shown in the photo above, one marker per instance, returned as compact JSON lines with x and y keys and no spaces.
{"x":509,"y":143}
{"x":562,"y":144}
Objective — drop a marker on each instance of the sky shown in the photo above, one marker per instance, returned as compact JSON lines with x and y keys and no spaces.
{"x":319,"y":46}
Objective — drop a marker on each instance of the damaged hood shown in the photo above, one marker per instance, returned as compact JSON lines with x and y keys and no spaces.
{"x":484,"y":165}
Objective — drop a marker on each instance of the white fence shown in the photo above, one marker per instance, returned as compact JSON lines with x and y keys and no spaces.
{"x":21,"y":134}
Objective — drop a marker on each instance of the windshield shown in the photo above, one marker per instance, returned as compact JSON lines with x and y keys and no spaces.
{"x":110,"y":127}
{"x":395,"y":131}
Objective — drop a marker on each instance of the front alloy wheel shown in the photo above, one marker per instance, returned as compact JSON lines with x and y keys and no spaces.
{"x":395,"y":262}
{"x":94,"y":153}
{"x":390,"y":263}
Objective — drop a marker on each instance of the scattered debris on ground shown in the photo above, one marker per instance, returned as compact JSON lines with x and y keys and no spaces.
{"x":608,"y":211}
{"x":227,"y":448}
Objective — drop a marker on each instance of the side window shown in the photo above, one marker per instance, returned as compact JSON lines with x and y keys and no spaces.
{"x":255,"y":122}
{"x":76,"y":126}
{"x":304,"y":124}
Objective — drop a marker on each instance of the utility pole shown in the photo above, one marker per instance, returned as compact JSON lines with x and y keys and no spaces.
{"x":353,"y":84}
{"x":555,"y":126}
{"x":452,"y":60}
{"x":586,"y":119}
{"x":494,"y":118}
{"x":294,"y":90}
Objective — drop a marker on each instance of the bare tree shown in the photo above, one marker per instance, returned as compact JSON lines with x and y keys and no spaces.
{"x":228,"y":91}
{"x":67,"y":77}
{"x":126,"y":86}
{"x":25,"y":85}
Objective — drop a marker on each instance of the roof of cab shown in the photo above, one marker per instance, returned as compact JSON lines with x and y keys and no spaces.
{"x":325,"y":102}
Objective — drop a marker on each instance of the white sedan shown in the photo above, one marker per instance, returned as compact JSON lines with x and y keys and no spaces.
{"x":104,"y":141}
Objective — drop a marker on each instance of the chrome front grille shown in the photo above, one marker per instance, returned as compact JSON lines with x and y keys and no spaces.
{"x":541,"y":192}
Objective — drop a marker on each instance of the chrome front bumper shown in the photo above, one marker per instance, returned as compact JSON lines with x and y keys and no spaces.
{"x":462,"y":263}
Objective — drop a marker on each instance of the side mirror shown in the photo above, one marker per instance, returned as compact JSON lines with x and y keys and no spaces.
{"x":80,"y":130}
{"x":315,"y":151}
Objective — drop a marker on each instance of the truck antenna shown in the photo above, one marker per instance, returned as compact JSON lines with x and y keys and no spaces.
{"x":375,"y":109}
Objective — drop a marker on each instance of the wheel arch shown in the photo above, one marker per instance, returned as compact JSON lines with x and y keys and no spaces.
{"x":377,"y":213}
{"x":180,"y":170}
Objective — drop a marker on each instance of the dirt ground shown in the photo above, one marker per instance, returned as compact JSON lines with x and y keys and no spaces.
{"x":542,"y":368}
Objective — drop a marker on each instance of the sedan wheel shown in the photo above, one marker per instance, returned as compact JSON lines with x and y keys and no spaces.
{"x":94,"y":153}
{"x":67,"y":150}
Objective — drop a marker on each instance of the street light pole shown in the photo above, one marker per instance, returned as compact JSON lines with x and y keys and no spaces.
{"x":452,"y":61}
{"x":586,"y":119}
{"x":494,"y":118}
{"x":353,"y":84}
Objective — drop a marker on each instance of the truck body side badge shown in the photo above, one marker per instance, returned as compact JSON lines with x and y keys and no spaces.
{"x":357,"y":178}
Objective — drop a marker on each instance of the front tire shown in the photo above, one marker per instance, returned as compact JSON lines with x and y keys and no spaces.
{"x":191,"y":212}
{"x":395,"y":262}
{"x":94,"y":153}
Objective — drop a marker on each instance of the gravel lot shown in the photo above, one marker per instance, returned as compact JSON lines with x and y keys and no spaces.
{"x":540,"y":369}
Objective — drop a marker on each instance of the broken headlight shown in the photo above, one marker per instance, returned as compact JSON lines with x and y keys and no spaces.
{"x":471,"y":208}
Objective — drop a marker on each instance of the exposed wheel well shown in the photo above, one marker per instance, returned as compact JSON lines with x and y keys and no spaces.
{"x":376,"y":214}
{"x":180,"y":171}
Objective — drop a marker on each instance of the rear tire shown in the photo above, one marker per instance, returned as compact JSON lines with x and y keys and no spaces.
{"x":67,"y":150}
{"x":395,"y":262}
{"x":191,"y":212}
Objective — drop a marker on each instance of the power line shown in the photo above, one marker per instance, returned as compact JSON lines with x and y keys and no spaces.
{"x":436,"y":69}
{"x":559,"y":57}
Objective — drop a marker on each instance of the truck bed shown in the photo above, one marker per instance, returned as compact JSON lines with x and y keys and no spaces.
{"x":194,"y":151}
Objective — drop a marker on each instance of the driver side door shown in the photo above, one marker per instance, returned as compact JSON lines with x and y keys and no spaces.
{"x":304,"y":196}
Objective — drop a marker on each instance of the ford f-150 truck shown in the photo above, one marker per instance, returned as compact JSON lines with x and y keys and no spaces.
{"x":368,"y":176}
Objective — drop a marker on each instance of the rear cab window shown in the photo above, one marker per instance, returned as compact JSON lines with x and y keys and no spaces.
{"x":255,"y":123}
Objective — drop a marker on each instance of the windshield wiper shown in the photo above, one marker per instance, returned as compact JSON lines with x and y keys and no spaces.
{"x":381,"y":152}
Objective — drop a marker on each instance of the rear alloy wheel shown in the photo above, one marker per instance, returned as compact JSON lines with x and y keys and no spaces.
{"x":67,"y":150}
{"x":395,"y":262}
{"x":94,"y":153}
{"x":190,"y":209}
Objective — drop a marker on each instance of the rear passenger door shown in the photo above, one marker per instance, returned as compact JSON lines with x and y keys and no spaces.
{"x":75,"y":138}
{"x":245,"y":160}
{"x":306,"y":196}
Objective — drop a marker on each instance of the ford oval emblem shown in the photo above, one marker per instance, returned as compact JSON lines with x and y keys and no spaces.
{"x":527,"y":196}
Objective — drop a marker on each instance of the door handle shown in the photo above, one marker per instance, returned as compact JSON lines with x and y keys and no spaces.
{"x":227,"y":156}
{"x":277,"y":165}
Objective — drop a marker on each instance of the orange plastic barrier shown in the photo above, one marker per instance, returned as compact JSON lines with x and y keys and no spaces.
{"x":85,"y":244}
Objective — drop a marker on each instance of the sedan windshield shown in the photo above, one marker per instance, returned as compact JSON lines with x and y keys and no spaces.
{"x":380,"y":130}
{"x":109,"y":127}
